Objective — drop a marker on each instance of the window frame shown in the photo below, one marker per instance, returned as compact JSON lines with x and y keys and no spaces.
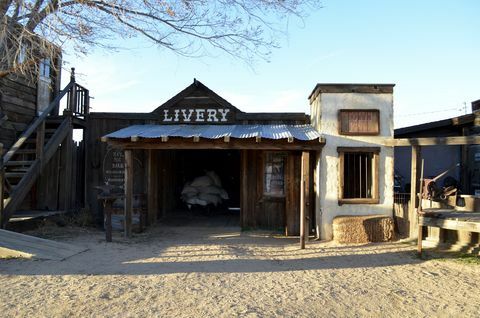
{"x":284,"y":155}
{"x":340,"y":132}
{"x":375,"y":199}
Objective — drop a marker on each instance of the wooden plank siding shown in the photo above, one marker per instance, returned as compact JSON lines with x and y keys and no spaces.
{"x":17,"y":102}
{"x":96,"y":128}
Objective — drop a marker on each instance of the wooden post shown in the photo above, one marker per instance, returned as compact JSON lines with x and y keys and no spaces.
{"x":128,"y":192}
{"x":304,"y":197}
{"x":152,"y":190}
{"x":414,"y":189}
{"x":243,"y":187}
{"x":67,"y":166}
{"x":40,"y":141}
{"x":107,"y":209}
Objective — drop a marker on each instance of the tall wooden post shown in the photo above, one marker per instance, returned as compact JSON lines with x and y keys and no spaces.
{"x":304,"y":197}
{"x":128,"y":206}
{"x":152,"y":189}
{"x":40,"y":141}
{"x":66,"y":186}
{"x":414,"y":190}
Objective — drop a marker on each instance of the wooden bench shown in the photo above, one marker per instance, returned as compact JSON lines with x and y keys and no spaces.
{"x":447,"y":219}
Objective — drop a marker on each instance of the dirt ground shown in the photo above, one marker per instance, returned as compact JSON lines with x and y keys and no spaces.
{"x":222,"y":272}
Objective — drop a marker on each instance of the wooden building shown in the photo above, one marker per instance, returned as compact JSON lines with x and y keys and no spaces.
{"x":334,"y":164}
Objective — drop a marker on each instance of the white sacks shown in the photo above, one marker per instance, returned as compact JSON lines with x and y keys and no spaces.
{"x":204,"y":190}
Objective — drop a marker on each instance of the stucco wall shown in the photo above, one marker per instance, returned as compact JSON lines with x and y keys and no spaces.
{"x":324,"y":114}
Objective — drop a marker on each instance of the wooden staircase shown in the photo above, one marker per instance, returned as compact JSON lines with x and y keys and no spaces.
{"x":23,"y":163}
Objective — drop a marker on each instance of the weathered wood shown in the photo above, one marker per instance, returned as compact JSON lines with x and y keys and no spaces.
{"x":434,"y":141}
{"x":414,"y":190}
{"x":25,"y":135}
{"x":183,"y":143}
{"x":108,"y":219}
{"x":67,"y":168}
{"x":304,"y":196}
{"x":40,"y":141}
{"x":243,"y":188}
{"x":128,"y":192}
{"x":152,"y":190}
{"x":450,"y":224}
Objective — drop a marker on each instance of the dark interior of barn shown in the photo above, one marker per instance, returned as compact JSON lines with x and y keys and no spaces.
{"x":206,"y":183}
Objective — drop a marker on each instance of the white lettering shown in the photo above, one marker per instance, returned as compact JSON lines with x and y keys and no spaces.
{"x":212,"y":115}
{"x":166,"y":116}
{"x":224,"y":113}
{"x":184,"y":113}
{"x":176,"y":114}
{"x":200,"y":114}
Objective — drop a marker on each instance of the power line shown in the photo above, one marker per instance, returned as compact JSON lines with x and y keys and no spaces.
{"x":432,"y":112}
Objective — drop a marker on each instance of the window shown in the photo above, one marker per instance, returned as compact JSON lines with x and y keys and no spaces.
{"x":45,"y":68}
{"x":274,"y":179}
{"x":359,"y":122}
{"x":358,"y":175}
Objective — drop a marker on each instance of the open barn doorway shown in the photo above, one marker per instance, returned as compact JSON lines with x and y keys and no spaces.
{"x":200,"y":187}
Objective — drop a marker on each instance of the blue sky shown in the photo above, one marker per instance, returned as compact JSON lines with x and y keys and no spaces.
{"x":429,"y":49}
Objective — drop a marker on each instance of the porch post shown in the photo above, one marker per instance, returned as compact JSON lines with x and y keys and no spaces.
{"x":414,"y":189}
{"x":128,"y":192}
{"x":152,"y":189}
{"x":304,"y":197}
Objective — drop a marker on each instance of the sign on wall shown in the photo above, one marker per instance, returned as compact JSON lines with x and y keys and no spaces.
{"x":197,"y":115}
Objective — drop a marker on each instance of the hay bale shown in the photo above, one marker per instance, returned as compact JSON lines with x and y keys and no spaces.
{"x":363,"y":229}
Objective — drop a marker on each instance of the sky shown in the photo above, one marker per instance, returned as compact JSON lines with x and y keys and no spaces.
{"x":429,"y":49}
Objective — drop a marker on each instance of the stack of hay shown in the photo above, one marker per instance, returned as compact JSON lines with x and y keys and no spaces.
{"x":363,"y":229}
{"x":204,"y":190}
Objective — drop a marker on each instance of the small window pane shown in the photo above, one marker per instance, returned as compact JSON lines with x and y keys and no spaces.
{"x":274,"y":174}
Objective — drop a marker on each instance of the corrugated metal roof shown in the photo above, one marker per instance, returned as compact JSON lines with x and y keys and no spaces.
{"x":299,"y":132}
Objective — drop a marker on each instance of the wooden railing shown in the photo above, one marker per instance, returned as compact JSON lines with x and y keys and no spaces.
{"x":78,"y":101}
{"x":37,"y":123}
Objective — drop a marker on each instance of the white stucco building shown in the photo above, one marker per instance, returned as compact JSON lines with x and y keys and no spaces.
{"x":355,"y":172}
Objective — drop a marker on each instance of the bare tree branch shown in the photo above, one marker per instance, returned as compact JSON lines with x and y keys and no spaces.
{"x":245,"y":29}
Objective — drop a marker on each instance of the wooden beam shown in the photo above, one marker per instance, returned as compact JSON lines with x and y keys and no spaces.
{"x":414,"y":189}
{"x":183,"y":143}
{"x":434,"y":141}
{"x":128,"y":192}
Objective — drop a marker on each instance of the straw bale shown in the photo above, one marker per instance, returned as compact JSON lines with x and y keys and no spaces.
{"x":363,"y":229}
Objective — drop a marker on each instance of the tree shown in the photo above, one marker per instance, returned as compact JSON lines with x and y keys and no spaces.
{"x":247,"y":29}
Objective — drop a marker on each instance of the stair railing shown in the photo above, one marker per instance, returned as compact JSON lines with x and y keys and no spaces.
{"x":39,"y":122}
